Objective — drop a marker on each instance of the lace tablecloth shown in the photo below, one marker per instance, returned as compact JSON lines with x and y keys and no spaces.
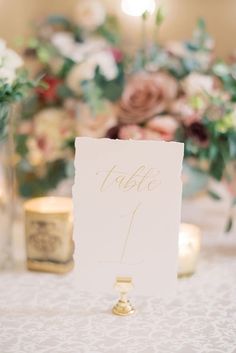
{"x":45,"y":313}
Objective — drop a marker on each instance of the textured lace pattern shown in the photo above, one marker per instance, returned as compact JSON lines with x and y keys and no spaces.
{"x":44,"y":313}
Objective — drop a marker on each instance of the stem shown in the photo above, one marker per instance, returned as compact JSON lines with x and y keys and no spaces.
{"x":144,"y":39}
{"x":11,"y":184}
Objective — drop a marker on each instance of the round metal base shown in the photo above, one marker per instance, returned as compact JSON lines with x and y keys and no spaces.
{"x":123,"y":308}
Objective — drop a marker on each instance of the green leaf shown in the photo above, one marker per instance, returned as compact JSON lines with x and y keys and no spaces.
{"x":229,"y":225}
{"x":63,"y":92}
{"x":113,"y":89}
{"x":66,"y":67}
{"x":160,"y":16}
{"x":33,"y":43}
{"x":217,"y":167}
{"x":4,"y":115}
{"x":93,"y":96}
{"x":43,"y":54}
{"x":59,"y":21}
{"x":213,"y":151}
{"x":232,"y":145}
{"x":195,"y":181}
{"x":21,"y":144}
{"x":201,"y":24}
{"x":32,"y":185}
{"x":110,"y":30}
{"x":145,"y":15}
{"x":214,"y":195}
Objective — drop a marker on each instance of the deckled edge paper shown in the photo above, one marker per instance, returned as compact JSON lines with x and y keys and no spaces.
{"x":99,"y":218}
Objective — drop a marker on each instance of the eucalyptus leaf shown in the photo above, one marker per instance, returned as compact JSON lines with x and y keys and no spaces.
{"x":60,"y":21}
{"x":214,"y":195}
{"x":195,"y":181}
{"x":229,"y":225}
{"x":160,"y":16}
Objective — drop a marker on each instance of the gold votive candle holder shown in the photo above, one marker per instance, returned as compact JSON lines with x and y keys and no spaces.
{"x":48,"y":230}
{"x":189,"y":249}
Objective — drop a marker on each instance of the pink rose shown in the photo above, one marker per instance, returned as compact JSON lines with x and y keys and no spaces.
{"x":145,"y":96}
{"x":164,"y":125}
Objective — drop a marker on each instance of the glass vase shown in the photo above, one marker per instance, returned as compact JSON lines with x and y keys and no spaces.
{"x":7,"y":181}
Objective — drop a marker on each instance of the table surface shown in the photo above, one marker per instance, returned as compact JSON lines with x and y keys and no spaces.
{"x":46,"y":313}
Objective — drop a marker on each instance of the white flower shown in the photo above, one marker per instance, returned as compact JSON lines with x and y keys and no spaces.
{"x":106,"y":63}
{"x":196,"y":83}
{"x":7,"y":75}
{"x":78,"y":52}
{"x":177,"y":48}
{"x":10,"y":61}
{"x":83,"y":50}
{"x":86,"y":70}
{"x":2,"y":47}
{"x":64,"y":43}
{"x":90,"y":14}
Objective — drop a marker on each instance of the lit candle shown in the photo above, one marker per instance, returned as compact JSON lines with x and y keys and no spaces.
{"x":137,"y":7}
{"x":189,"y":248}
{"x":48,"y":228}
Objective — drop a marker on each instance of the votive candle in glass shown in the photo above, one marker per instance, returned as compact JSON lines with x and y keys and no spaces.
{"x":48,"y":230}
{"x":189,"y":249}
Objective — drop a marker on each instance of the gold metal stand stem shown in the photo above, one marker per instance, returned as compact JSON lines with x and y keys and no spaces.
{"x":123,"y":306}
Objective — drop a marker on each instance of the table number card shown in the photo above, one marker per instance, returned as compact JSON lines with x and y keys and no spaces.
{"x":127,"y":201}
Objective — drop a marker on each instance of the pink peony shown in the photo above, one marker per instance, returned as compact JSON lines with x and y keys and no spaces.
{"x":95,"y":126}
{"x":135,"y":132}
{"x":164,"y":125}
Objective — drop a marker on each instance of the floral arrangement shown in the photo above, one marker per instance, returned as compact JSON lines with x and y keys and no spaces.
{"x":13,"y":83}
{"x":177,"y":91}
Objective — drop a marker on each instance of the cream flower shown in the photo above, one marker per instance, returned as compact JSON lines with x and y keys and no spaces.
{"x":177,"y":48}
{"x":2,"y":47}
{"x":64,"y":43}
{"x":35,"y":155}
{"x":196,"y":83}
{"x":7,"y":75}
{"x":86,"y":70}
{"x":51,"y":127}
{"x":79,"y":73}
{"x":10,"y":61}
{"x":89,"y":14}
{"x":95,"y":126}
{"x":185,"y":112}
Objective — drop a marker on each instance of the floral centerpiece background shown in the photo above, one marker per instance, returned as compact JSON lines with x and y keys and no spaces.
{"x":14,"y":84}
{"x":92,"y":87}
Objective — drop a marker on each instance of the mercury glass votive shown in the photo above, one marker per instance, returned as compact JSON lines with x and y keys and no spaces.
{"x":189,"y":249}
{"x":48,"y":230}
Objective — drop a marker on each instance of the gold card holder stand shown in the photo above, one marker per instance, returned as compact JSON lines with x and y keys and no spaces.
{"x":123,"y":307}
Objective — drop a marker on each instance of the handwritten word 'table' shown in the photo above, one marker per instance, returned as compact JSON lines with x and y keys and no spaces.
{"x":141,"y":179}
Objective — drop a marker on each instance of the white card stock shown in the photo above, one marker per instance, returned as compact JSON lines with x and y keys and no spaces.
{"x":127,"y":202}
